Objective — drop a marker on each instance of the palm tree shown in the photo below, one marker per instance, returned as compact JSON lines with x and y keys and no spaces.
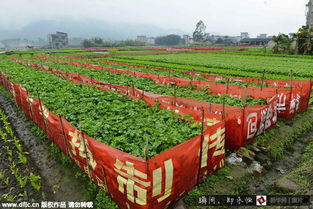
{"x":282,"y":43}
{"x":304,"y":38}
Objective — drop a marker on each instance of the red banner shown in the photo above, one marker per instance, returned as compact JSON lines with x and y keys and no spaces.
{"x":299,"y":101}
{"x":131,"y":181}
{"x":235,"y":118}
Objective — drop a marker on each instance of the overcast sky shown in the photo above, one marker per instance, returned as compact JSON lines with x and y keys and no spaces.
{"x":222,"y":16}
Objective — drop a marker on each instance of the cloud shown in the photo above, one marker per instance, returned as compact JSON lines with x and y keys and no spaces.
{"x":226,"y":17}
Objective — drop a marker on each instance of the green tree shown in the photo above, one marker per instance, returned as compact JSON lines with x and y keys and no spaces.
{"x":199,"y":33}
{"x":88,"y":43}
{"x":98,"y":41}
{"x":219,"y":41}
{"x":282,"y":44}
{"x":304,"y":38}
{"x":169,"y":40}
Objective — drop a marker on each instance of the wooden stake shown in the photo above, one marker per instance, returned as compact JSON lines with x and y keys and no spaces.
{"x":291,"y":80}
{"x":243,"y":121}
{"x":266,"y":117}
{"x":201,"y":149}
{"x":133,"y":88}
{"x":143,"y":94}
{"x":64,"y":137}
{"x":227,"y":87}
{"x":147,"y":152}
{"x":104,"y":179}
{"x":41,"y":110}
{"x":29,"y":106}
{"x":262,"y":80}
{"x":223,"y":113}
{"x":245,"y":96}
{"x":174,"y":95}
{"x":87,"y":161}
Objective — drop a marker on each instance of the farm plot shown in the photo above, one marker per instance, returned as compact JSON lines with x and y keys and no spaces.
{"x":81,"y":105}
{"x":191,"y":74}
{"x":290,"y":102}
{"x":237,"y":133}
{"x":124,"y":108}
{"x":156,"y":70}
{"x":148,"y":85}
{"x":277,"y":65}
{"x":100,"y":161}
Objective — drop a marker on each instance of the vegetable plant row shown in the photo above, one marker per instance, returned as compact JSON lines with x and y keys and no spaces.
{"x":157,"y":70}
{"x":234,"y":137}
{"x":119,"y":65}
{"x":107,"y":116}
{"x":196,"y":68}
{"x":150,"y":86}
{"x":147,"y":84}
{"x":290,"y":102}
{"x":236,"y":62}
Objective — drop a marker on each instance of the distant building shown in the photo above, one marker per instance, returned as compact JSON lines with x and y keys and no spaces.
{"x":187,"y":39}
{"x":254,"y":41}
{"x":17,"y":43}
{"x":150,"y":41}
{"x":146,"y":40}
{"x":58,"y":40}
{"x":244,"y":35}
{"x":142,"y":39}
{"x":262,"y":35}
{"x":309,"y":14}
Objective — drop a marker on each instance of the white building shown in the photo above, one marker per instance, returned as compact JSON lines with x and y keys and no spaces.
{"x":187,"y":39}
{"x":151,"y":41}
{"x":309,"y":14}
{"x":262,"y":35}
{"x":244,"y":35}
{"x":58,"y":40}
{"x":142,"y":39}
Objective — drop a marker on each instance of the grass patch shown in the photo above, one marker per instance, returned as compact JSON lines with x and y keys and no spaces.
{"x":303,"y":174}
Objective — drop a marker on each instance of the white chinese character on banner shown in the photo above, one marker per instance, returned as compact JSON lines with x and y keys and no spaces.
{"x":216,"y":141}
{"x":76,"y":142}
{"x":128,"y":177}
{"x":130,"y":182}
{"x":294,"y":104}
{"x":281,"y":105}
{"x":252,"y":120}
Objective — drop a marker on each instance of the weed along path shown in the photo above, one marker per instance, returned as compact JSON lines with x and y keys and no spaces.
{"x":275,"y":179}
{"x":57,"y":181}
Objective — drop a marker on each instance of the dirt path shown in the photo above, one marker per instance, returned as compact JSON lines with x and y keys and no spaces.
{"x":17,"y":173}
{"x":58,"y":179}
{"x":280,"y":168}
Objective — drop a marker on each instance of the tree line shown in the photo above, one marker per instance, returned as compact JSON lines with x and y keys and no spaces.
{"x":298,"y":43}
{"x":99,"y":42}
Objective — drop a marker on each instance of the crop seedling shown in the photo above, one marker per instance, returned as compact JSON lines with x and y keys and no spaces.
{"x":22,"y":158}
{"x":7,"y":181}
{"x":35,"y":181}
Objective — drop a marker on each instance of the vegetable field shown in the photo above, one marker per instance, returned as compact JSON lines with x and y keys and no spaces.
{"x":148,"y":129}
{"x":278,"y":65}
